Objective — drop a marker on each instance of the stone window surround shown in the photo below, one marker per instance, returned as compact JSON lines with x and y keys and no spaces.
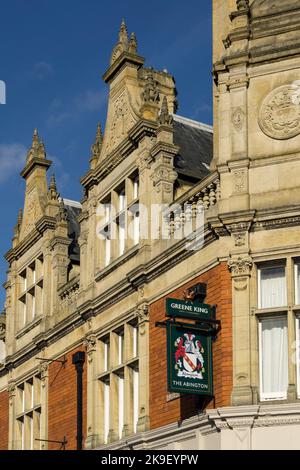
{"x":30,"y":289}
{"x":112,"y":197}
{"x":292,"y":313}
{"x":116,"y":369}
{"x":28,"y":408}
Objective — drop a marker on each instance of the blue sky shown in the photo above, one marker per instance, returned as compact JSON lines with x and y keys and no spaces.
{"x":53,"y":54}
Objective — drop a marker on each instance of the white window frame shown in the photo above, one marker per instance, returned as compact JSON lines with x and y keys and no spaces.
{"x":267,"y":396}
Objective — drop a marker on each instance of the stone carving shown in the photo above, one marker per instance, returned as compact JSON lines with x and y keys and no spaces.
{"x":121,"y":121}
{"x":240,"y":181}
{"x":43,"y":370}
{"x":90,"y":344}
{"x":279,"y":116}
{"x":150,"y":93}
{"x":242,"y":5}
{"x":240,"y":266}
{"x":238,"y":119}
{"x":143,"y":317}
{"x":165,"y":119}
{"x":239,"y":238}
{"x":12,"y":388}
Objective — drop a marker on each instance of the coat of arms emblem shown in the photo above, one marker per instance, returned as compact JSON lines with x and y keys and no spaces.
{"x":279,"y":115}
{"x":189,"y":360}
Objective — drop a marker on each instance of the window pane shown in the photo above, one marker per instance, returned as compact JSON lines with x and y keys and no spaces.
{"x":121,"y":238}
{"x":121,"y":405}
{"x":274,"y":358}
{"x":106,"y":410}
{"x":272,"y":287}
{"x":135,"y":383}
{"x":135,"y":341}
{"x":106,"y":355}
{"x":121,"y":347}
{"x":136,"y":236}
{"x":136,"y":188}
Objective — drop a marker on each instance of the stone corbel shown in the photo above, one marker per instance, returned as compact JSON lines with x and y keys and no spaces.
{"x":239,"y":232}
{"x":143,"y":317}
{"x":12,"y":388}
{"x":90,"y":343}
{"x":44,"y":372}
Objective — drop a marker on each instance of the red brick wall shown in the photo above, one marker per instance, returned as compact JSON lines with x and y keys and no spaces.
{"x":62,"y":403}
{"x":162,"y":412}
{"x":4,"y":420}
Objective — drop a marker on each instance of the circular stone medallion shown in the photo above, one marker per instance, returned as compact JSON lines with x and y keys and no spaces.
{"x":279,"y":115}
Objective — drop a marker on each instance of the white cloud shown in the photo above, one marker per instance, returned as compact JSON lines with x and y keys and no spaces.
{"x":85,"y":102}
{"x":12,"y":159}
{"x":42,"y":70}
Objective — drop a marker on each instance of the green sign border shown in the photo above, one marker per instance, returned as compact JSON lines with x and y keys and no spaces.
{"x":170,"y":361}
{"x":172,"y":312}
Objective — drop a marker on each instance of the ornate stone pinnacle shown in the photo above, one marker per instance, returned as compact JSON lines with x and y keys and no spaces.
{"x":20,"y":217}
{"x":96,"y":147}
{"x":52,"y":182}
{"x":52,"y":193}
{"x":35,"y":139}
{"x":165,"y":118}
{"x":123,"y":35}
{"x":133,"y":43}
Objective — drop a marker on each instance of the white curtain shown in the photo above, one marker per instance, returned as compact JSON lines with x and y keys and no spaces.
{"x":274,"y":358}
{"x":272,"y":287}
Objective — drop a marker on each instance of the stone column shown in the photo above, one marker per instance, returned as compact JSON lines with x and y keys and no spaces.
{"x":143,"y":347}
{"x":93,"y":393}
{"x":12,"y":390}
{"x":241,"y":271}
{"x":44,"y":374}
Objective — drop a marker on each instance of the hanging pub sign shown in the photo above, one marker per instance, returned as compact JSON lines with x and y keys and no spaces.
{"x":189,"y":360}
{"x":185,"y":309}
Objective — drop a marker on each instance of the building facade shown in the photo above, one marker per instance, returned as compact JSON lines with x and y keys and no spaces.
{"x":93,"y":276}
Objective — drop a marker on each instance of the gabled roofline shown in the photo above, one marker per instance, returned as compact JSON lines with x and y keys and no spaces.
{"x":192,"y":123}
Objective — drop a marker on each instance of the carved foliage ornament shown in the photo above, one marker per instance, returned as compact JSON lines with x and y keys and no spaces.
{"x":279,"y":116}
{"x":240,"y":266}
{"x":238,"y":119}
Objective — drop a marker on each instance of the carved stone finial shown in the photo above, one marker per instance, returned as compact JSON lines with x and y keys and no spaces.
{"x":37,"y":149}
{"x":164,"y":117}
{"x":150,"y":93}
{"x":20,"y":217}
{"x":62,"y":215}
{"x":52,"y":193}
{"x":123,"y":35}
{"x":96,"y":147}
{"x":242,"y":5}
{"x":133,"y":44}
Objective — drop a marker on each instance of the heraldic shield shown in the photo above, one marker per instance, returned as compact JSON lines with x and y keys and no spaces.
{"x":189,"y":360}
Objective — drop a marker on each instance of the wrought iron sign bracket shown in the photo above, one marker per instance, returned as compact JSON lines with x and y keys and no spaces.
{"x":62,"y":443}
{"x":62,"y":361}
{"x":209,"y":327}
